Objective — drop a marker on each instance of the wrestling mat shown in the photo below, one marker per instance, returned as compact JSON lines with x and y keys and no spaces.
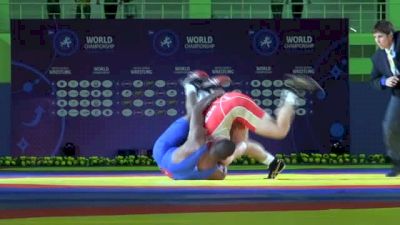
{"x":297,"y":196}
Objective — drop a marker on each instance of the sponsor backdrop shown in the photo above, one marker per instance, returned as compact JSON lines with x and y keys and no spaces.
{"x":112,"y":85}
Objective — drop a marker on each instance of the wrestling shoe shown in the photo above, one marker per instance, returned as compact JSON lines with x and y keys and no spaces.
{"x":216,"y":82}
{"x":395,"y":171}
{"x":300,"y":84}
{"x":195,"y":78}
{"x":275,"y":168}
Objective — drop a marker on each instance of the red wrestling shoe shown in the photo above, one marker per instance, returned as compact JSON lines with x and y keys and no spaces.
{"x":219,"y":81}
{"x":195,"y":78}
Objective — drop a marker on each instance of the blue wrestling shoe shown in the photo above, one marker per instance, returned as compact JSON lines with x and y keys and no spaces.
{"x":395,"y":171}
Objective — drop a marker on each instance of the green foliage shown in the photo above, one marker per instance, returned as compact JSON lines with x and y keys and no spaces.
{"x":68,"y":161}
{"x":320,"y":159}
{"x":143,"y":160}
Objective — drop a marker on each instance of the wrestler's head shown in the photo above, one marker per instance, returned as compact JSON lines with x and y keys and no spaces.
{"x":222,"y":149}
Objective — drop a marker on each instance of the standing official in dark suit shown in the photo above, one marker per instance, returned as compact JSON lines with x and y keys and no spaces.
{"x":385,"y":75}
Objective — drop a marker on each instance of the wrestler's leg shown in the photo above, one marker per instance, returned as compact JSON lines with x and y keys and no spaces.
{"x":254,"y":150}
{"x":249,"y":147}
{"x":237,"y":107}
{"x":258,"y":152}
{"x":277,"y":128}
{"x":176,"y":134}
{"x":191,"y":84}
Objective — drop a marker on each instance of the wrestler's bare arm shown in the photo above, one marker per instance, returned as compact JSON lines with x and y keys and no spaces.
{"x":197,"y":133}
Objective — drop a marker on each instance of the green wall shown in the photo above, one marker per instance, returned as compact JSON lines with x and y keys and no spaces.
{"x":199,"y":9}
{"x":5,"y":54}
{"x":5,"y":57}
{"x":394,"y":12}
{"x":4,"y":16}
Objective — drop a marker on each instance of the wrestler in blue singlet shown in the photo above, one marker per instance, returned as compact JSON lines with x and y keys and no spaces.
{"x":168,"y":142}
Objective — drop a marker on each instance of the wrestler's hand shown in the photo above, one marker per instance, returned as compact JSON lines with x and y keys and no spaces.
{"x":219,"y":174}
{"x":223,"y":168}
{"x":205,"y":102}
{"x":227,"y":161}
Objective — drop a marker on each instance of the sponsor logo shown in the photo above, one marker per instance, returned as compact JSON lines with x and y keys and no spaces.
{"x":299,"y":42}
{"x":65,"y":42}
{"x":60,"y":70}
{"x":181,"y":69}
{"x":303,"y":70}
{"x":223,"y":70}
{"x":265,"y":42}
{"x":141,"y":70}
{"x":199,"y":43}
{"x":99,"y":43}
{"x":101,"y":70}
{"x":165,"y":42}
{"x":263,"y":70}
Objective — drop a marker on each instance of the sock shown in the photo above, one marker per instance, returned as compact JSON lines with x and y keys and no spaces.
{"x":289,"y":97}
{"x":189,"y":88}
{"x":269,"y":159}
{"x":202,"y":94}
